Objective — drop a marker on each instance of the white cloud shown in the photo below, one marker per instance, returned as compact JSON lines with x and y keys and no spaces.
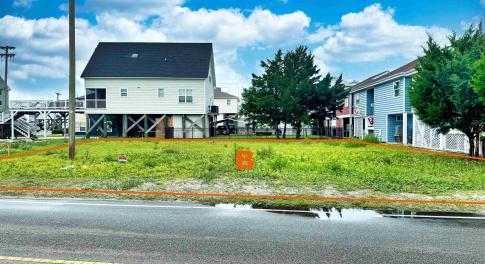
{"x":482,"y":2}
{"x":229,"y":28}
{"x":369,"y":35}
{"x":42,"y":44}
{"x":137,"y":10}
{"x":373,"y":35}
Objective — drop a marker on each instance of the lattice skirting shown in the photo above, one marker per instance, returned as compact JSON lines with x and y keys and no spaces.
{"x":427,"y":137}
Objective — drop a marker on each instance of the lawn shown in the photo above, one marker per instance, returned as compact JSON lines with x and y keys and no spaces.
{"x":284,"y":168}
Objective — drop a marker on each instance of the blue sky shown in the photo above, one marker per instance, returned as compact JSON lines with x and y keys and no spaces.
{"x":356,"y":38}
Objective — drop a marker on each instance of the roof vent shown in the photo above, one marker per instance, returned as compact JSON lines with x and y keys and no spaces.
{"x":134,"y":55}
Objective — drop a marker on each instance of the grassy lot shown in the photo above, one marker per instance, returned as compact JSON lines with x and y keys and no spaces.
{"x":296,"y":168}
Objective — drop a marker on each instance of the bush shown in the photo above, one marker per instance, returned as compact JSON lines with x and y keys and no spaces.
{"x":371,"y":139}
{"x":58,"y":130}
{"x":265,"y":153}
{"x":151,"y":162}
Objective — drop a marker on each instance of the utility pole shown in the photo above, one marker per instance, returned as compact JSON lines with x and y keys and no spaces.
{"x":6,"y":55}
{"x":72,"y":78}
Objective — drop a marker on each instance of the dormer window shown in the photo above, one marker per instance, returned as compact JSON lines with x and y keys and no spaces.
{"x":134,"y":55}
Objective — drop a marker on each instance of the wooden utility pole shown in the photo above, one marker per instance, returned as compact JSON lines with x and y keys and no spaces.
{"x":6,"y":55}
{"x":72,"y":79}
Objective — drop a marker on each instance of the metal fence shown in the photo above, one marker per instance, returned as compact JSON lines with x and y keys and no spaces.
{"x":195,"y":132}
{"x":44,"y":104}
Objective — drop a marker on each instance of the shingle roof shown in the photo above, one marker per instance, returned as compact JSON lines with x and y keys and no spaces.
{"x":219,"y":94}
{"x":385,"y":75}
{"x":165,"y":60}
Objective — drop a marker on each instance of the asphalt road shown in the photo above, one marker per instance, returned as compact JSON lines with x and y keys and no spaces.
{"x":157,"y":232}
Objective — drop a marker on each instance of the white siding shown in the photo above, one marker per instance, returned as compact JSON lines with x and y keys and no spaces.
{"x":224,"y":108}
{"x":143,"y":95}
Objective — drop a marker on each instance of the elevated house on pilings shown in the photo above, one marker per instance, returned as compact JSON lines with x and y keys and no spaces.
{"x":163,"y":90}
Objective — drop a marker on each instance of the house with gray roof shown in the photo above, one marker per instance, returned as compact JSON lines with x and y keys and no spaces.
{"x":380,"y":106}
{"x":161,"y":90}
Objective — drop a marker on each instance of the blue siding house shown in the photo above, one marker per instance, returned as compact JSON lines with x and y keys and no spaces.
{"x":381,"y":105}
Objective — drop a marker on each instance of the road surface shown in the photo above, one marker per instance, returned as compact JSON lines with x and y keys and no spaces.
{"x":162,"y":232}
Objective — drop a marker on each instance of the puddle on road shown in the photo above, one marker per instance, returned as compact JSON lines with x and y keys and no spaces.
{"x":353,"y":214}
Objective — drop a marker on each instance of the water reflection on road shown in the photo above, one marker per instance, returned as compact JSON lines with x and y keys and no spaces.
{"x":353,"y":214}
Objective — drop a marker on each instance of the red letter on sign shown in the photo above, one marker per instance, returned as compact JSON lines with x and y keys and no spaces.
{"x":244,"y":159}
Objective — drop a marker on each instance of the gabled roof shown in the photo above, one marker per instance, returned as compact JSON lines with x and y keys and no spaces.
{"x":219,"y":94}
{"x":144,"y":59}
{"x":405,"y":69}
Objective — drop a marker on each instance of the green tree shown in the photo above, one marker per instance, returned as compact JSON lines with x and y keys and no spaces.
{"x":301,"y":76}
{"x":478,"y":78}
{"x":289,"y":89}
{"x":441,"y":93}
{"x":262,"y":101}
{"x":326,"y":99}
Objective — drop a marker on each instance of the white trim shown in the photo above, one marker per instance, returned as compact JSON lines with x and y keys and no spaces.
{"x":404,"y":74}
{"x":387,"y":128}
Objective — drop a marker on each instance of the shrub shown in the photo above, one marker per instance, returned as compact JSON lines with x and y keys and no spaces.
{"x":110,"y":158}
{"x":371,"y":139}
{"x":151,"y":162}
{"x":58,"y":130}
{"x":279,"y":163}
{"x":171,"y":150}
{"x":265,"y":153}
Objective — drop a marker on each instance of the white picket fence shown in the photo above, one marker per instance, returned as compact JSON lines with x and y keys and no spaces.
{"x":427,"y":137}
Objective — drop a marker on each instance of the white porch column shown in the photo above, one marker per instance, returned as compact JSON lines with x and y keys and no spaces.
{"x":405,"y":128}
{"x":12,"y":126}
{"x":45,"y":124}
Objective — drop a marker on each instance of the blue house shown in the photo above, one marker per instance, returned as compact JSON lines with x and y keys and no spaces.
{"x":381,"y":106}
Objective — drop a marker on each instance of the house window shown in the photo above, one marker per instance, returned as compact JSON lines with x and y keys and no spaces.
{"x":161,"y":92}
{"x":357,"y":99}
{"x":95,"y":98}
{"x":228,"y":102}
{"x":397,"y":88}
{"x":124,"y":92}
{"x":399,"y":118}
{"x":185,"y":95}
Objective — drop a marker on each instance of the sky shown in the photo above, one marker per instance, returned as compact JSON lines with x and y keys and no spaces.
{"x":355,"y":38}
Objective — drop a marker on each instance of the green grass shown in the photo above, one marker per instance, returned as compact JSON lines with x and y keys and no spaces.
{"x":9,"y":148}
{"x":300,"y":165}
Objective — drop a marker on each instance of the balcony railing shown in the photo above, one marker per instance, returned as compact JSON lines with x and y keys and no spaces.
{"x":44,"y":104}
{"x":95,"y":103}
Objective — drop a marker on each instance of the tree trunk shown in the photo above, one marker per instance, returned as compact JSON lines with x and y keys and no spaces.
{"x":276,"y":129}
{"x":483,"y":147}
{"x":284,"y":130}
{"x":320,"y":127}
{"x":298,"y":130}
{"x":477,"y":145}
{"x":471,"y":141}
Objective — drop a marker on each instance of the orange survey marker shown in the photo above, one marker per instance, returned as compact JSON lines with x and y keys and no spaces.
{"x":244,"y":160}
